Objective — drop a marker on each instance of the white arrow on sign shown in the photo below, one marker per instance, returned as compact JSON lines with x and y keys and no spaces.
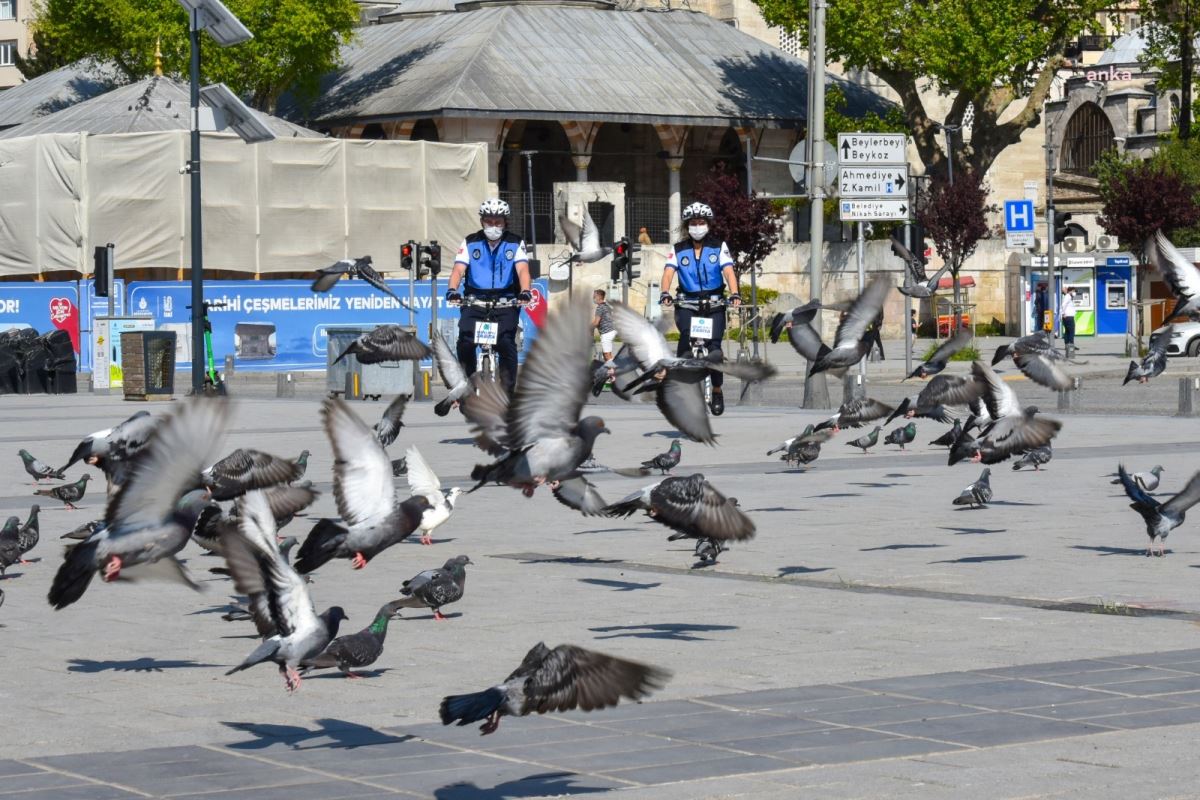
{"x":871,"y":148}
{"x":873,"y":181}
{"x":879,"y":208}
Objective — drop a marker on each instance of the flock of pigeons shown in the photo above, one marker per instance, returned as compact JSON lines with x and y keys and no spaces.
{"x":167,"y":487}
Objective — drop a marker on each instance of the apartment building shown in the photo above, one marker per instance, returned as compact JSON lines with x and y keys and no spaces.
{"x":14,"y":39}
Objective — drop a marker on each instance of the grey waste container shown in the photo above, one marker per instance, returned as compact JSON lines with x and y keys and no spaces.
{"x":375,"y":380}
{"x":148,"y":364}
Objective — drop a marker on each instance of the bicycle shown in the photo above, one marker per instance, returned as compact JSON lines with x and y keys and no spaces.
{"x":701,"y":332}
{"x":487,"y":330}
{"x":214,"y":385}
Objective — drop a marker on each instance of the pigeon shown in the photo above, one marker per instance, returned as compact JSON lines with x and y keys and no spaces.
{"x":399,"y":467}
{"x":856,"y":413}
{"x":690,"y":506}
{"x":1035,"y":458}
{"x":245,"y":470}
{"x":1036,"y":343}
{"x":708,"y":550}
{"x":84,"y":531}
{"x":539,"y":435}
{"x":39,"y":471}
{"x":665,"y":462}
{"x":302,"y":463}
{"x":278,"y":597}
{"x":786,"y":444}
{"x":901,"y":436}
{"x":1013,"y":431}
{"x":112,"y":449}
{"x":624,"y":366}
{"x":941,"y":357}
{"x":1146,"y":481}
{"x":867,"y":441}
{"x":977,"y":494}
{"x":1042,"y":370}
{"x":388,"y":427}
{"x":562,"y":679}
{"x":452,"y":375}
{"x":10,"y":544}
{"x":949,"y":437}
{"x":1179,"y":272}
{"x":435,"y":588}
{"x":850,"y":342}
{"x":807,"y":447}
{"x":424,"y":482}
{"x":150,"y":518}
{"x":940,"y":393}
{"x":915,"y":282}
{"x":585,"y":239}
{"x":375,"y":518}
{"x":30,"y":532}
{"x":69,"y":493}
{"x":355,"y":650}
{"x":1153,"y":364}
{"x":353,"y":268}
{"x":386,"y":343}
{"x":284,"y":501}
{"x":1160,"y":518}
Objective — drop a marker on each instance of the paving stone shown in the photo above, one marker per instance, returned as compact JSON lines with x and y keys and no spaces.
{"x":1189,"y":683}
{"x":1053,"y":668}
{"x":263,"y":776}
{"x":1151,"y":719}
{"x":314,"y":790}
{"x":812,"y":708}
{"x":1096,"y":678}
{"x":734,"y":765}
{"x":645,"y":757}
{"x":39,"y":780}
{"x":921,"y":685}
{"x":16,"y":768}
{"x":95,"y":791}
{"x":737,"y":727}
{"x":1009,"y":694}
{"x":769,"y":745}
{"x":872,"y":717}
{"x":506,"y":779}
{"x":768,"y":697}
{"x":356,"y":761}
{"x":554,"y":752}
{"x":1159,"y":658}
{"x":1100,"y":708}
{"x":896,"y":747}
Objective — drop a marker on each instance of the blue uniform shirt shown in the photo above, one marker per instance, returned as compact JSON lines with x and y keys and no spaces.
{"x":703,"y":274}
{"x":491,"y":270}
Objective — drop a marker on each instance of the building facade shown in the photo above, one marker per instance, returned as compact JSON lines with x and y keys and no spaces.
{"x":14,"y":39}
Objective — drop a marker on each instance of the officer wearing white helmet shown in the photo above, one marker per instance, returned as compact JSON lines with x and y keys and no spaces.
{"x":494,"y":265}
{"x":705,"y":270}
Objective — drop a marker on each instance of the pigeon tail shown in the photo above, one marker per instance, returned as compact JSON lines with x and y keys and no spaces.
{"x":322,"y":544}
{"x":821,"y":354}
{"x":443,"y":407}
{"x":468,"y":708}
{"x":261,"y":653}
{"x":73,"y":577}
{"x":1132,"y":373}
{"x":353,"y":348}
{"x":622,"y":509}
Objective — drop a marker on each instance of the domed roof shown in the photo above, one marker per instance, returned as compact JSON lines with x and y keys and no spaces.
{"x":1127,"y":49}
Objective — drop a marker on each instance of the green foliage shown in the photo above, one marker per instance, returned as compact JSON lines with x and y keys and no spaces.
{"x":765,"y":296}
{"x":749,"y":225}
{"x":968,"y":353}
{"x":838,"y":121}
{"x":295,"y":41}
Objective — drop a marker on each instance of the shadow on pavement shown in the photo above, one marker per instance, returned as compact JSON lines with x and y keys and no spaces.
{"x":144,"y":664}
{"x":619,"y":586}
{"x":339,"y":733}
{"x":673,"y":631}
{"x":898,"y":547}
{"x":548,"y":784}
{"x":977,"y":559}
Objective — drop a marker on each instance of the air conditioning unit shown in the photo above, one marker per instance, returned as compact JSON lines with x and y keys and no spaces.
{"x":1039,"y":245}
{"x":1106,"y":242}
{"x":1074,"y":244}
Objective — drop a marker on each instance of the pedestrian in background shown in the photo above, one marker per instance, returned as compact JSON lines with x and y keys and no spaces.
{"x":1067,"y":312}
{"x":603,"y":323}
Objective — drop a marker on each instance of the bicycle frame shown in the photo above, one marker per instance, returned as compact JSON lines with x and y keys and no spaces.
{"x":487,"y":353}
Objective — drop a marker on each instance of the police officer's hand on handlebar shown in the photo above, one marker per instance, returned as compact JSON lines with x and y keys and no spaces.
{"x":453,"y":298}
{"x":525,"y":297}
{"x":665,"y":299}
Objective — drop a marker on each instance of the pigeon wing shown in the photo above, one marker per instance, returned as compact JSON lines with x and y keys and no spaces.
{"x":863,"y":311}
{"x":362,"y":472}
{"x":579,"y":494}
{"x":692,"y":505}
{"x":287,"y":501}
{"x":680,"y":398}
{"x":805,"y":340}
{"x":486,"y":408}
{"x":644,"y":340}
{"x":951,"y":390}
{"x":422,"y":480}
{"x":572,"y":232}
{"x":368,"y":274}
{"x":389,"y":425}
{"x":451,"y":372}
{"x":1185,"y":499}
{"x":951,"y":346}
{"x":555,"y":379}
{"x":1136,"y":493}
{"x":1179,"y":273}
{"x":571,"y":677}
{"x":1043,"y":371}
{"x":999,"y":397}
{"x":329,"y":276}
{"x":246,"y":469}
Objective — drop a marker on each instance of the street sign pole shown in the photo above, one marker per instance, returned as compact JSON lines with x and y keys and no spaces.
{"x":862,"y":284}
{"x":816,"y":387}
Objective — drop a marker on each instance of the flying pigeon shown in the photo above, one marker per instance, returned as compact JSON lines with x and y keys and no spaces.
{"x":1035,"y":458}
{"x":1036,"y":343}
{"x":278,"y":596}
{"x":386,"y":343}
{"x":1160,"y":518}
{"x":1013,"y":431}
{"x":150,"y":518}
{"x":901,"y":436}
{"x":284,"y":501}
{"x":39,"y":471}
{"x":388,"y":427}
{"x":1152,"y":365}
{"x":807,"y":447}
{"x":850,"y":341}
{"x":435,"y":588}
{"x":856,"y":413}
{"x":585,"y":239}
{"x":867,"y":441}
{"x":424,"y":482}
{"x":356,"y":650}
{"x":302,"y":463}
{"x":245,"y":470}
{"x":1179,"y":273}
{"x":691,"y":506}
{"x":30,"y":532}
{"x":915,"y":282}
{"x":949,"y":437}
{"x":1042,"y":370}
{"x":353,"y":268}
{"x":562,"y":679}
{"x":112,"y":449}
{"x":937,"y":396}
{"x":1146,"y":481}
{"x":665,"y":462}
{"x":941,"y":357}
{"x":374,"y":517}
{"x":69,"y":493}
{"x":977,"y":494}
{"x":624,"y":367}
{"x":783,"y":446}
{"x":452,"y":375}
{"x":10,"y":544}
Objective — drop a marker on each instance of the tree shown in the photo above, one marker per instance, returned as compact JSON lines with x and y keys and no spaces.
{"x":749,"y":225}
{"x":986,"y":55}
{"x":1142,"y":197}
{"x":954,"y":217}
{"x":1169,"y":33}
{"x":295,"y":41}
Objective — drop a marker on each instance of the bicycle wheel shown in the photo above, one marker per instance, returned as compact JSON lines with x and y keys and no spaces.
{"x":486,"y":366}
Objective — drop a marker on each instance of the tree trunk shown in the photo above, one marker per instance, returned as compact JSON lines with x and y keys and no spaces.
{"x":955,"y":312}
{"x":1185,"y":80}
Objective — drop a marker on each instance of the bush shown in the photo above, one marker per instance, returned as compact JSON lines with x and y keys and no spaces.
{"x":968,"y":353}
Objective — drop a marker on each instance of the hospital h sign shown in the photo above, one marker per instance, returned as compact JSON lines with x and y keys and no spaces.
{"x":1018,"y":223}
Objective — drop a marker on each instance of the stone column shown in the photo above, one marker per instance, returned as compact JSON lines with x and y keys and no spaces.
{"x":674,"y":201}
{"x":581,"y":162}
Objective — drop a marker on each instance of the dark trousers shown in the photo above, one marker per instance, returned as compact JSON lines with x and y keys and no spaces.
{"x":683,"y":321}
{"x":506,"y":341}
{"x":1068,"y":331}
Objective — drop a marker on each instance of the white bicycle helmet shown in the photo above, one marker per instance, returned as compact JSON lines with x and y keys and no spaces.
{"x":494,"y":207}
{"x":697,"y":210}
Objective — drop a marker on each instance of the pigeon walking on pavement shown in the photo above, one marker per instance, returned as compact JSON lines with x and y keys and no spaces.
{"x":1035,"y":458}
{"x":386,"y":343}
{"x":389,"y":425}
{"x":902,"y":436}
{"x":1160,"y":518}
{"x":39,"y":471}
{"x":806,"y":448}
{"x":68,"y":493}
{"x":941,"y":357}
{"x":435,"y":588}
{"x":1155,"y":361}
{"x":355,"y":650}
{"x":1146,"y":481}
{"x":424,"y":482}
{"x":665,"y":462}
{"x":977,"y":494}
{"x":856,"y":413}
{"x":10,"y":544}
{"x":30,"y":532}
{"x":867,"y":441}
{"x":562,"y":679}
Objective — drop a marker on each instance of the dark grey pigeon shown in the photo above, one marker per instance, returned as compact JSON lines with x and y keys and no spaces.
{"x":1037,"y":343}
{"x":1035,"y":458}
{"x":245,"y":470}
{"x":1160,"y":518}
{"x":856,"y":413}
{"x":977,"y":494}
{"x":452,"y":375}
{"x":1043,"y":371}
{"x":10,"y":544}
{"x":691,"y":506}
{"x":941,"y":357}
{"x":563,"y":679}
{"x":938,"y":396}
{"x":302,"y":464}
{"x":1013,"y":431}
{"x":949,"y":437}
{"x":867,"y":441}
{"x":807,"y":447}
{"x":916,"y":283}
{"x":399,"y":467}
{"x":850,"y":341}
{"x":69,"y":493}
{"x":708,"y":550}
{"x":388,"y":427}
{"x":665,"y":462}
{"x":39,"y":471}
{"x":901,"y":436}
{"x":30,"y":531}
{"x":112,"y":450}
{"x":1147,"y":481}
{"x":84,"y":531}
{"x":435,"y":588}
{"x":386,"y":343}
{"x":786,"y":444}
{"x":356,"y":650}
{"x":1155,"y":361}
{"x":353,"y":268}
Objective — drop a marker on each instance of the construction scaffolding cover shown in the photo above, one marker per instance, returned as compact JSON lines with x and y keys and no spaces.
{"x":288,"y":205}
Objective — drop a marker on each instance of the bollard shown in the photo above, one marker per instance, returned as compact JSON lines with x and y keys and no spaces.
{"x":227,"y":378}
{"x":353,"y":386}
{"x":285,"y":386}
{"x":1069,"y":400}
{"x":1188,"y":389}
{"x":423,"y":384}
{"x":852,"y":389}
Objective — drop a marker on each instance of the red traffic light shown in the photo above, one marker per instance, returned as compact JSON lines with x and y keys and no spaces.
{"x":405,"y":250}
{"x":620,"y":248}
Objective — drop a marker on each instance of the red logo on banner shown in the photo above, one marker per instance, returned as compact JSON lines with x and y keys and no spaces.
{"x":536,"y":309}
{"x":65,"y":316}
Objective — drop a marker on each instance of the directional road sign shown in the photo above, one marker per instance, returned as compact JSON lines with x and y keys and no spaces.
{"x":873,"y":181}
{"x":855,"y":149}
{"x":1018,"y":223}
{"x":879,"y":208}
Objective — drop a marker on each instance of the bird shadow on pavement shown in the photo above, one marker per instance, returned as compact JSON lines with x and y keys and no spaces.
{"x":143,"y":664}
{"x":973,"y":531}
{"x":784,"y":571}
{"x":898,"y":547}
{"x":619,"y":586}
{"x":671,"y":434}
{"x":547,"y":784}
{"x":339,"y":733}
{"x":10,"y":576}
{"x":977,"y":559}
{"x":1101,"y":550}
{"x":571,"y":560}
{"x":361,"y":673}
{"x":461,"y":440}
{"x":417,"y":541}
{"x":773,"y":508}
{"x":604,"y":530}
{"x":901,"y":475}
{"x":672,"y":631}
{"x":837,"y":494}
{"x":876,"y":484}
{"x":454,"y":615}
{"x":1010,"y":503}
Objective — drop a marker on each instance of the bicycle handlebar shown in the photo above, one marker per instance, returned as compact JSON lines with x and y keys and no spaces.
{"x":489,"y":302}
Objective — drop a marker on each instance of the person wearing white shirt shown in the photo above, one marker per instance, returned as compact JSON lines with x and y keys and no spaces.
{"x":1066,"y":312}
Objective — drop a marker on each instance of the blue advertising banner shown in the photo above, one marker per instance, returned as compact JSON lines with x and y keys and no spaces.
{"x":94,"y":307}
{"x":41,"y":306}
{"x":281,"y":325}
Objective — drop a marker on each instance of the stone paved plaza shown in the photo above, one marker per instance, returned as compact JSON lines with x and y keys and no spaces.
{"x":873,"y":641}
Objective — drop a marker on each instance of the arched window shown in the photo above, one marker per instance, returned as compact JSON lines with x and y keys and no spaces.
{"x":1088,"y":134}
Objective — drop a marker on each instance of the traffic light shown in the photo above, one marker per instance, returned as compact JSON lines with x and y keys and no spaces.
{"x":634,"y":260}
{"x":919,"y":245}
{"x":102,"y":271}
{"x":431,"y":257}
{"x":620,"y":259}
{"x":406,"y":254}
{"x":1063,"y":228}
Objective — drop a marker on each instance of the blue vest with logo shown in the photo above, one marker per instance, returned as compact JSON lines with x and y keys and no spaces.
{"x":492,"y":271}
{"x":704,"y":276}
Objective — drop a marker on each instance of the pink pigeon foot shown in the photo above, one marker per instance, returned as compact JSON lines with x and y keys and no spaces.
{"x":112,"y":569}
{"x":427,"y":540}
{"x":438,"y":615}
{"x":358,"y":562}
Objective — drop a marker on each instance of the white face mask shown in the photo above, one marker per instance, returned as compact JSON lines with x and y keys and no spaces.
{"x":697,"y":232}
{"x":493,"y":232}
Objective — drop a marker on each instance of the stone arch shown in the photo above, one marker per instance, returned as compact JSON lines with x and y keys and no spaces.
{"x":425,"y":130}
{"x":552,"y":164}
{"x":1088,"y":134}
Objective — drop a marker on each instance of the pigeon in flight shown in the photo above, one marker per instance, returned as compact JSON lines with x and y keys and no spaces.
{"x":386,"y":343}
{"x":941,"y":357}
{"x":1179,"y":272}
{"x":867,"y":441}
{"x":151,"y":516}
{"x":1146,"y":481}
{"x":356,"y":650}
{"x":856,"y":413}
{"x":1014,"y":430}
{"x":937,"y":396}
{"x":977,"y":494}
{"x":284,"y":501}
{"x":1035,"y":458}
{"x":807,"y":447}
{"x":901,"y":436}
{"x":850,"y":341}
{"x":435,"y":588}
{"x":691,"y":506}
{"x":84,"y":531}
{"x":452,"y":375}
{"x":389,"y":425}
{"x":353,"y":268}
{"x":245,"y":470}
{"x":10,"y":544}
{"x":915,"y":282}
{"x":112,"y":449}
{"x":665,"y":462}
{"x":39,"y":471}
{"x":278,"y":596}
{"x":424,"y":482}
{"x":30,"y":533}
{"x":585,"y":239}
{"x":69,"y":493}
{"x":1160,"y":518}
{"x":1152,"y":365}
{"x":949,"y":437}
{"x":1036,"y":343}
{"x":562,"y":679}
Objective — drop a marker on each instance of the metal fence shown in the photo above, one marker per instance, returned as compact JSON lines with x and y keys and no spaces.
{"x":543,"y":215}
{"x":640,"y":212}
{"x":649,"y":213}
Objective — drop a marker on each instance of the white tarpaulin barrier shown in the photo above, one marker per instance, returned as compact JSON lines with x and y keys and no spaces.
{"x":288,"y":205}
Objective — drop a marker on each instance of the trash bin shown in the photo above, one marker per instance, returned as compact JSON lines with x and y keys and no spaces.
{"x":374,"y":380}
{"x":60,"y":366}
{"x":148,"y":364}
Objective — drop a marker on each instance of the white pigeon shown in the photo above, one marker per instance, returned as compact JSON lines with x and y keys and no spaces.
{"x":423,"y":481}
{"x":1179,"y":273}
{"x":584,"y":241}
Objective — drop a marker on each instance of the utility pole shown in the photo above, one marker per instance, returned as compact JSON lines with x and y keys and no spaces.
{"x":816,"y":387}
{"x":531,"y":242}
{"x":1053,"y":287}
{"x":753,"y":267}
